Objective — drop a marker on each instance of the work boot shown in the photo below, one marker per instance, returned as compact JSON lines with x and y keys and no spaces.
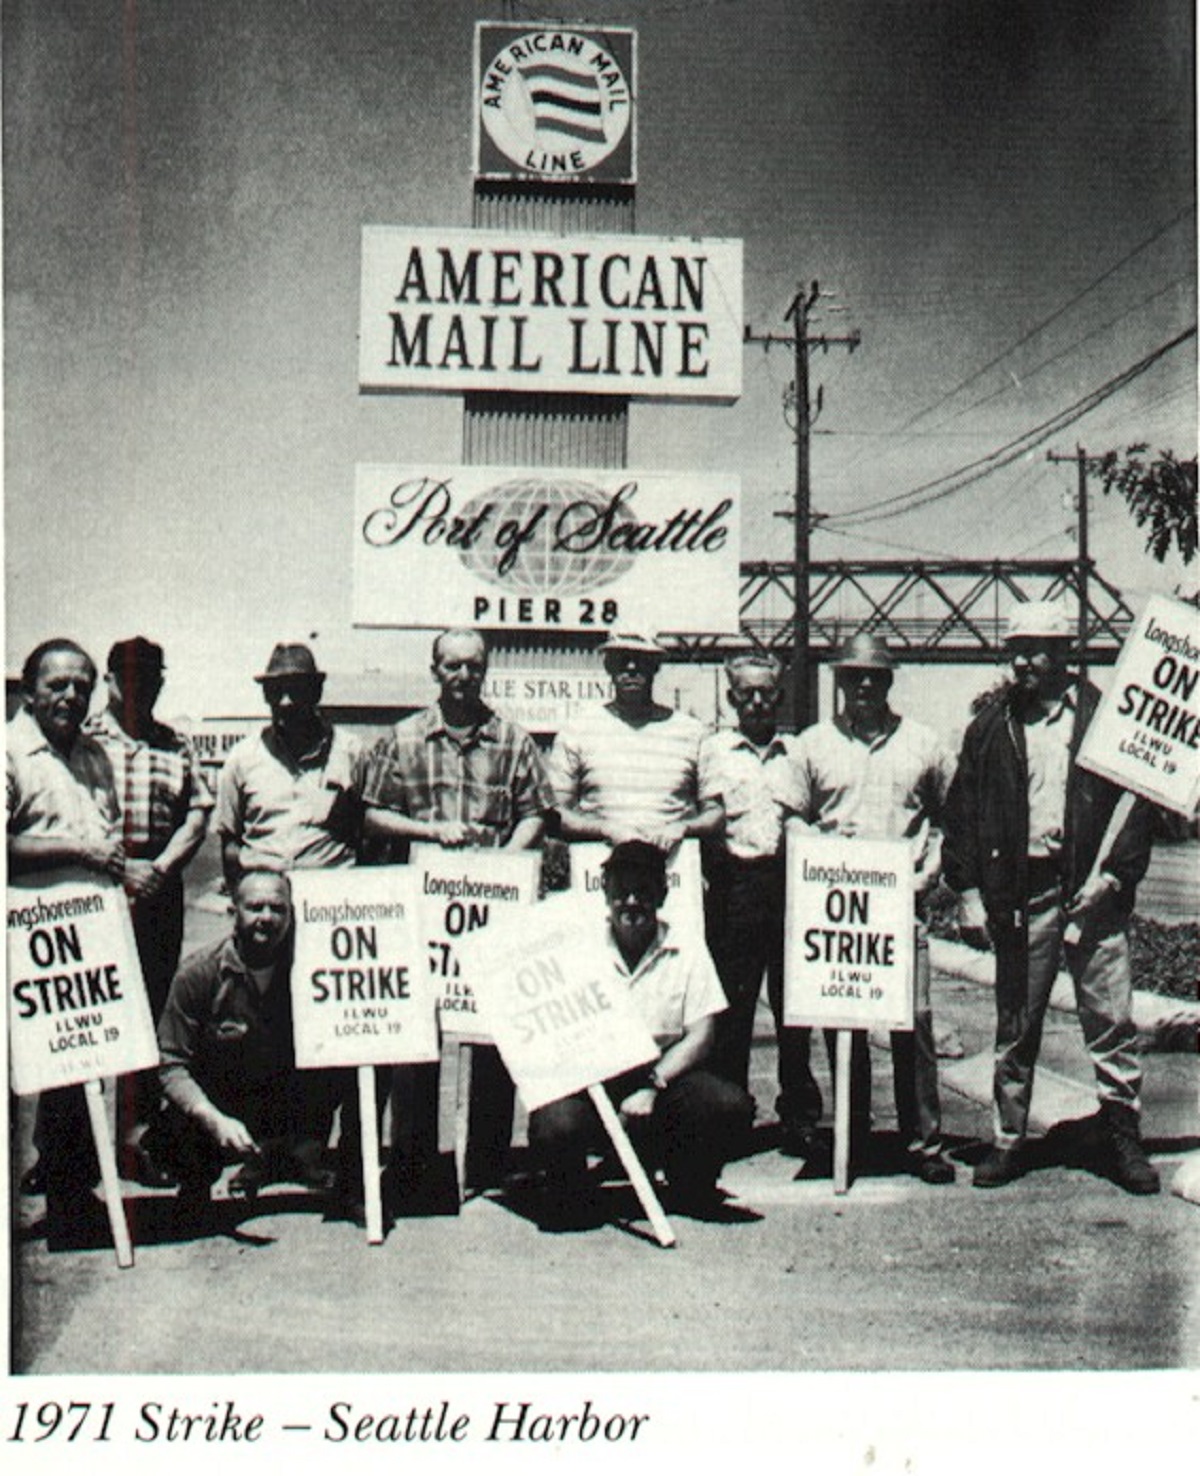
{"x":1001,"y":1166}
{"x":1131,"y":1169}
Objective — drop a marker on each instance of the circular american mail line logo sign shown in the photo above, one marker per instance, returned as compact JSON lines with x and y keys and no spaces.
{"x":556,"y":103}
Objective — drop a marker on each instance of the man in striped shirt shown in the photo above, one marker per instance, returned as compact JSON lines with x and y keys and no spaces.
{"x":629,"y":769}
{"x":165,"y":806}
{"x":874,"y":774}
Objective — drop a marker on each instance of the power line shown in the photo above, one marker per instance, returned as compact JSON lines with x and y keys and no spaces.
{"x":974,"y":471}
{"x":1045,"y":323}
{"x":1062,"y":353}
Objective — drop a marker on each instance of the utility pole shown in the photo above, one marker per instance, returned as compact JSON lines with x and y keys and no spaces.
{"x":1083,"y":560}
{"x":804,"y":690}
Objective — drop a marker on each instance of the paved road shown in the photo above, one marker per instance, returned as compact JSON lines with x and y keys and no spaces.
{"x":1058,"y":1271}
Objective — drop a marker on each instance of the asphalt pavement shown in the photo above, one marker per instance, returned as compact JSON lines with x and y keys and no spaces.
{"x":1060,"y":1270}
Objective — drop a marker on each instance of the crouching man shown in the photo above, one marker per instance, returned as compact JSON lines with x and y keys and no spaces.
{"x":680,"y":1116}
{"x":228,"y":1067}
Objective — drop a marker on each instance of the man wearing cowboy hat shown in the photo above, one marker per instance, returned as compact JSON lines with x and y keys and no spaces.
{"x":876,"y":775}
{"x":629,"y":769}
{"x":290,"y":796}
{"x":1024,"y":826}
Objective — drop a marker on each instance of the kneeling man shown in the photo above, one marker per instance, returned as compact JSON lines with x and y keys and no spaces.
{"x":679,"y":1115}
{"x":228,"y":1066}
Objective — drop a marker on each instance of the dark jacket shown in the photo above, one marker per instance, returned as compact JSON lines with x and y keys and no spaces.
{"x":987,"y":816}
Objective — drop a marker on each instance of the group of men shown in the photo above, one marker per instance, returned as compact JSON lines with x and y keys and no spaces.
{"x":1014,"y":826}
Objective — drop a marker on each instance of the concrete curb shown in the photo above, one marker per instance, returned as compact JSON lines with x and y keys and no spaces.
{"x":1158,"y":1017}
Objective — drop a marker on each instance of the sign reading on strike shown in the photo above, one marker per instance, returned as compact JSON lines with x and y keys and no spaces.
{"x":1146,"y":732}
{"x":848,"y":932}
{"x":684,"y":907}
{"x":464,"y":891}
{"x":361,"y":991}
{"x":557,"y":1009}
{"x":77,"y":1007}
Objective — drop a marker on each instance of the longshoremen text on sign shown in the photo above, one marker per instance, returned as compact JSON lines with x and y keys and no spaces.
{"x":463,"y":891}
{"x":1146,"y":733}
{"x":576,"y":549}
{"x":555,"y":103}
{"x":455,"y":310}
{"x":77,"y":1007}
{"x":361,"y":994}
{"x":848,"y":932}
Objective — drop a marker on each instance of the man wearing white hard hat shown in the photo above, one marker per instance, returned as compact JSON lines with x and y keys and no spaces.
{"x":1024,"y":827}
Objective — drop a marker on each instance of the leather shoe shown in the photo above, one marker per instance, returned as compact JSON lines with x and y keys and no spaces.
{"x":1001,"y":1166}
{"x":137,"y":1165}
{"x":804,"y":1142}
{"x":932,"y":1168}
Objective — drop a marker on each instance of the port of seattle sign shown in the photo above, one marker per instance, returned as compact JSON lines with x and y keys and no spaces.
{"x":554,"y":103}
{"x":545,"y":548}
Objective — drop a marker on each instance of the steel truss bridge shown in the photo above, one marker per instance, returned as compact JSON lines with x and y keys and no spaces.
{"x":952,"y":611}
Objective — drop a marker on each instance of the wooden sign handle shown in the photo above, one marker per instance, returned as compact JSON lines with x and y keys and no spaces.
{"x":106,"y":1153}
{"x":1121,"y":812}
{"x":632,"y":1165}
{"x":841,"y":1114}
{"x":370,"y":1154}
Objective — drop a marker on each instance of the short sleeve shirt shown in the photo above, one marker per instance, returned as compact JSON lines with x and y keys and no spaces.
{"x":755,"y":786}
{"x":892,"y":788}
{"x":634,"y":779}
{"x":673,"y":985}
{"x":51,"y":794}
{"x":289,"y":815}
{"x":158,"y":782}
{"x":491,"y":781}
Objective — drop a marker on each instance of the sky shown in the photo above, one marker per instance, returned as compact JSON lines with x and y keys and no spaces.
{"x":999,"y":196}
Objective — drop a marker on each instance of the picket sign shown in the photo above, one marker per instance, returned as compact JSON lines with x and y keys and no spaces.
{"x":562,"y":1020}
{"x":684,"y":907}
{"x":849,"y":955}
{"x":362,"y":994}
{"x":1145,"y":735}
{"x":464,"y":891}
{"x":77,"y":1006}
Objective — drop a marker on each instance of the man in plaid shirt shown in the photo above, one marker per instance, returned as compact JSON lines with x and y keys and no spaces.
{"x":457,"y":775}
{"x":165,"y":806}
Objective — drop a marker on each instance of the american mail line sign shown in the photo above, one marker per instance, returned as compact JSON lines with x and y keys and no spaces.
{"x":645,"y":316}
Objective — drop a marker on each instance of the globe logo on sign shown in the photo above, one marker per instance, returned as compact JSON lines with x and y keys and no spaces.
{"x":557,"y":510}
{"x":555,"y":102}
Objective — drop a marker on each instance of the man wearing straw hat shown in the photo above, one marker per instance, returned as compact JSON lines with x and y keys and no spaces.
{"x":629,"y":769}
{"x":1024,"y":829}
